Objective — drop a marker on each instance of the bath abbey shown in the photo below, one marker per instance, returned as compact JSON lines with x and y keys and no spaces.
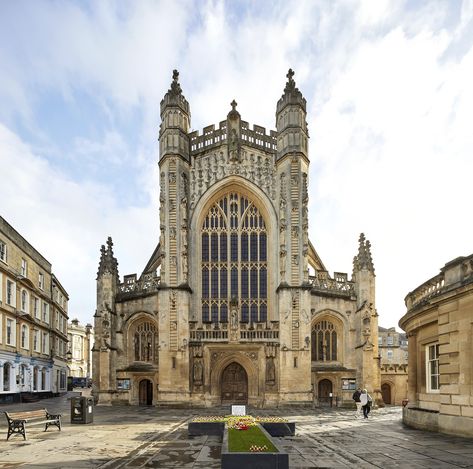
{"x":235,"y":304}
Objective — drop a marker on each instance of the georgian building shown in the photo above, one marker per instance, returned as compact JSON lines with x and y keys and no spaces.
{"x":80,"y":345}
{"x":438,"y":323}
{"x":33,"y":321}
{"x":393,"y":351}
{"x":235,"y":304}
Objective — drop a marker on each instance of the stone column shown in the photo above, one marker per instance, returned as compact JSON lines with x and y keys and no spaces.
{"x":412,"y":371}
{"x":1,"y":377}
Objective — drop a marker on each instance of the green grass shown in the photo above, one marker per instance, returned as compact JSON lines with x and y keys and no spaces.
{"x":241,"y":440}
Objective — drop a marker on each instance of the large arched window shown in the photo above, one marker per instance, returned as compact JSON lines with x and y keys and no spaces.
{"x":324,"y":341}
{"x":234,"y":260}
{"x":144,"y":341}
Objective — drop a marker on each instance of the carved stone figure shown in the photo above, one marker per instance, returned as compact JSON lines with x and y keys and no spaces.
{"x":198,"y":371}
{"x":270,"y":371}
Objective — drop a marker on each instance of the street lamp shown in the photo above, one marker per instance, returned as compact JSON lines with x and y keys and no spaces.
{"x":69,"y":356}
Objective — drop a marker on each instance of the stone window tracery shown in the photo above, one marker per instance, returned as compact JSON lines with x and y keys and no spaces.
{"x":324,"y":341}
{"x":234,"y":260}
{"x":144,"y":341}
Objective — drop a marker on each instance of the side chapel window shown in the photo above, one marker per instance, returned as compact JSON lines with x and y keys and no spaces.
{"x":234,"y":260}
{"x":324,"y":341}
{"x":145,"y":339}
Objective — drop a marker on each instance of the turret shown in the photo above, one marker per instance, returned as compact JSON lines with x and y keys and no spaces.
{"x":366,"y":320}
{"x":175,"y":121}
{"x":105,"y":322}
{"x":291,"y":120}
{"x":174,"y":185}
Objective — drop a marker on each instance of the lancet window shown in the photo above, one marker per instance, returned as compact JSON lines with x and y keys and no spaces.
{"x":324,"y":341}
{"x":144,"y":340}
{"x":234,"y":260}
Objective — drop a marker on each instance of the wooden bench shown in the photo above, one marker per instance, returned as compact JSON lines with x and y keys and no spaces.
{"x":17,"y":421}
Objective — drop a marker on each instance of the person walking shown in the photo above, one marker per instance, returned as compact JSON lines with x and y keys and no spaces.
{"x":366,"y":401}
{"x":356,"y":398}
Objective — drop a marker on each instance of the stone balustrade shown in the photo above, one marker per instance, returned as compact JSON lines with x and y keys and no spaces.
{"x":424,"y":292}
{"x":249,"y":332}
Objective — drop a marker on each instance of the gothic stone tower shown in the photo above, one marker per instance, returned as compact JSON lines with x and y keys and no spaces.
{"x":234,"y":305}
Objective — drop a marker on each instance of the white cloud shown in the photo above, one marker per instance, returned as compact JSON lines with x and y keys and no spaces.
{"x":388,"y":88}
{"x":67,"y":222}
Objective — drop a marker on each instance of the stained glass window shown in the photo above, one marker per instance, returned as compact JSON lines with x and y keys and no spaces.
{"x":234,"y":260}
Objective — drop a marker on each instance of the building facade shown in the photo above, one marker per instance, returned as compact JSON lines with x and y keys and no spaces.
{"x":235,"y":304}
{"x":393,"y":350}
{"x":33,"y":321}
{"x":439,"y":323}
{"x":81,"y":339}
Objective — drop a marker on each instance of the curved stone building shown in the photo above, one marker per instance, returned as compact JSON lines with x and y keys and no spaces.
{"x":235,"y":304}
{"x":438,"y":323}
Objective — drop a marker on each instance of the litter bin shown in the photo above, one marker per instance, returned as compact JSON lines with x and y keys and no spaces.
{"x":82,"y":410}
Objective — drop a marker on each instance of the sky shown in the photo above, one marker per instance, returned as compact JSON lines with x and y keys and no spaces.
{"x":390,"y":103}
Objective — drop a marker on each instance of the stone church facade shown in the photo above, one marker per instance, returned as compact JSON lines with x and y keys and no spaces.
{"x":235,"y":304}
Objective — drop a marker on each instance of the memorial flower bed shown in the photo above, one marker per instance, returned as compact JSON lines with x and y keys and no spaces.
{"x":251,"y":439}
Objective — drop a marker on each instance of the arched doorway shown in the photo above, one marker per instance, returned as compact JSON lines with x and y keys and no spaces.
{"x":146,"y":392}
{"x":234,"y":385}
{"x":386,"y":393}
{"x":325,"y":389}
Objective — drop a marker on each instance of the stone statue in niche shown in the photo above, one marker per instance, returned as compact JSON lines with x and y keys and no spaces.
{"x":282,"y":263}
{"x":282,"y":236}
{"x":198,"y":371}
{"x":270,"y":371}
{"x":282,"y":210}
{"x":172,"y":177}
{"x":234,"y":319}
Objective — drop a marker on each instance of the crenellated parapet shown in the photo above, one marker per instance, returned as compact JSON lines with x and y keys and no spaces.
{"x":211,"y":138}
{"x":132,"y":287}
{"x":339,"y":285}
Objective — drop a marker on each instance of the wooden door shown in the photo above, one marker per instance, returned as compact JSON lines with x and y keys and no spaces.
{"x":234,"y":385}
{"x":386,"y":393}
{"x":325,"y":388}
{"x":146,"y":392}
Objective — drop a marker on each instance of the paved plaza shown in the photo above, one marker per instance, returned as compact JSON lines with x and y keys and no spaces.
{"x":149,"y":437}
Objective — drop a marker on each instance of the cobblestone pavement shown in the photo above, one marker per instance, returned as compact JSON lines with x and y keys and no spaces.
{"x":149,"y":437}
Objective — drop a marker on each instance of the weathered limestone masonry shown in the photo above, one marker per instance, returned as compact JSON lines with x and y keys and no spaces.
{"x":235,"y":305}
{"x":439,"y":325}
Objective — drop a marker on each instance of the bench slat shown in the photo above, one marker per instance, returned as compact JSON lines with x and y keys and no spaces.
{"x":28,"y":414}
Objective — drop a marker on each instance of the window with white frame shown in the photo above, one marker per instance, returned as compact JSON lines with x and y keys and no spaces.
{"x":36,"y":340}
{"x":45,"y":312}
{"x":37,"y":312}
{"x":390,"y":340}
{"x":380,"y":341}
{"x":3,"y":251}
{"x":11,"y":293}
{"x":11,"y":332}
{"x":24,"y":267}
{"x":1,"y":328}
{"x":24,"y":301}
{"x":390,"y":354}
{"x":432,"y":368}
{"x":45,"y":348}
{"x":1,"y":288}
{"x":41,"y":280}
{"x":25,"y":337}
